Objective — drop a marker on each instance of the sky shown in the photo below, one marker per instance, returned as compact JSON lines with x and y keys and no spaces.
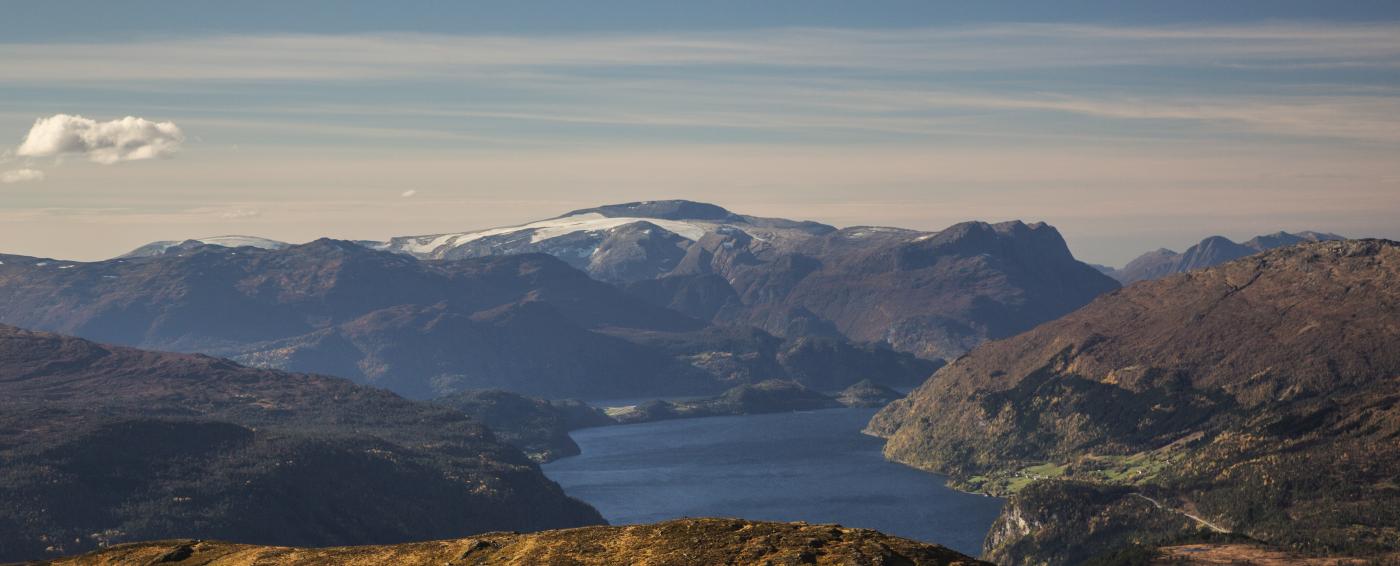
{"x":1128,"y":126}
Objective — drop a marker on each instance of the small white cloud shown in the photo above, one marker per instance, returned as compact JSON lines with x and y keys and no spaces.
{"x":21,"y":176}
{"x":409,"y":193}
{"x":127,"y":139}
{"x":240,"y":213}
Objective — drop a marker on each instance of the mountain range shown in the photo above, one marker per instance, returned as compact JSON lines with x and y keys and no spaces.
{"x":166,"y":246}
{"x":1234,"y":392}
{"x":527,"y":323}
{"x":1258,"y":398}
{"x":103,"y":444}
{"x":1211,"y":251}
{"x":932,"y":294}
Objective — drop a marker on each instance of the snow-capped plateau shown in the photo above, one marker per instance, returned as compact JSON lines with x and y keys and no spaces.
{"x":541,"y":231}
{"x":621,"y":242}
{"x":231,"y":241}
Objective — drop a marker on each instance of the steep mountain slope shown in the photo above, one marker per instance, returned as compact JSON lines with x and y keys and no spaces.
{"x":528,"y":323}
{"x":103,"y":444}
{"x":1258,"y":396}
{"x":931,"y":294}
{"x":681,"y":543}
{"x":1214,"y":250}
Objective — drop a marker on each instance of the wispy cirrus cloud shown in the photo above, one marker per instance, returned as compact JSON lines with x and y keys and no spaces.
{"x":915,"y":127}
{"x":990,"y":47}
{"x":790,"y":81}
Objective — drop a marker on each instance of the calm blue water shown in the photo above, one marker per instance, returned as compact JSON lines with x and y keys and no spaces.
{"x":814,"y":466}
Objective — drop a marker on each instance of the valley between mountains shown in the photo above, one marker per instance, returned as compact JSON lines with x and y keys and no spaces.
{"x":237,"y":400}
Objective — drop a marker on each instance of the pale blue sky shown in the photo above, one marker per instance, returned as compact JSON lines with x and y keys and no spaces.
{"x":1128,"y":127}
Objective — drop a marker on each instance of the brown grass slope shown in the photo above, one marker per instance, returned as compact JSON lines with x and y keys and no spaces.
{"x":1260,"y":394}
{"x":682,"y":542}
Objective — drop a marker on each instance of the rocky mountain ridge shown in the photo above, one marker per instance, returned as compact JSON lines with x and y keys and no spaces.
{"x":1258,"y":396}
{"x":232,"y":241}
{"x":1211,"y":251}
{"x":933,"y":294}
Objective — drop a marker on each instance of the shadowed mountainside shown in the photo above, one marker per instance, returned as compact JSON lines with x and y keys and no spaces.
{"x":527,"y":323}
{"x":102,"y":444}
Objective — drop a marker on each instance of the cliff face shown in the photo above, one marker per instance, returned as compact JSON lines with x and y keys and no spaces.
{"x":681,"y":543}
{"x":1260,"y":395}
{"x":1064,"y":522}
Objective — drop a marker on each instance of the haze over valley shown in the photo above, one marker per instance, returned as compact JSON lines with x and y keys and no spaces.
{"x":674,"y":284}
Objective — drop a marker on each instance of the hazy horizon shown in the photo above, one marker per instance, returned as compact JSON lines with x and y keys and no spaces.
{"x":1127,"y":129}
{"x":97,"y":255}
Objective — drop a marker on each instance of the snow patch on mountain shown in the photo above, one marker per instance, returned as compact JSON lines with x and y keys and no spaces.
{"x":230,"y":241}
{"x":545,"y":230}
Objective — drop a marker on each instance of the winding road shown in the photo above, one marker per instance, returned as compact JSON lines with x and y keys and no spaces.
{"x":1198,"y":519}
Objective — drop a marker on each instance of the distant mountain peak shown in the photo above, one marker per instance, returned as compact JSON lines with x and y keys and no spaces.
{"x":614,"y":242}
{"x":1211,"y":251}
{"x":663,"y":209}
{"x":228,"y":241}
